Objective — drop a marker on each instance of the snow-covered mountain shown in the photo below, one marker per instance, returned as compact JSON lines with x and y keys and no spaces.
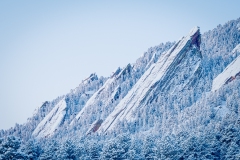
{"x":52,"y":121}
{"x":174,"y":71}
{"x":163,"y":90}
{"x":68,"y":106}
{"x":231,"y":72}
{"x":103,"y":102}
{"x":179,"y":100}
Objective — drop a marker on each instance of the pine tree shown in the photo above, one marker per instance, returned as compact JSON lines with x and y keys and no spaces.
{"x":32,"y":150}
{"x":9,"y":149}
{"x":67,"y":151}
{"x":149,"y":148}
{"x":50,"y":150}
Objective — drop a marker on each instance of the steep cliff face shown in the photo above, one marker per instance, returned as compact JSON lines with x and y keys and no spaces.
{"x":166,"y":71}
{"x":66,"y":107}
{"x":103,"y":102}
{"x":52,"y":121}
{"x":175,"y":71}
{"x":94,"y":99}
{"x":231,"y":72}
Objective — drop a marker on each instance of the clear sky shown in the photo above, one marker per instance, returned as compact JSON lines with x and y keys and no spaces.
{"x":48,"y":47}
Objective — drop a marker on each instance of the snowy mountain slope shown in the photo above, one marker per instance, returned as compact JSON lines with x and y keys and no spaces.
{"x":25,"y":130}
{"x":90,"y":102}
{"x":52,"y":121}
{"x":102,"y":103}
{"x":94,"y":98}
{"x":150,"y":57}
{"x":106,"y":98}
{"x":78,"y":97}
{"x":171,"y":102}
{"x":185,"y":52}
{"x":64,"y":111}
{"x":231,"y":72}
{"x":217,"y":46}
{"x":211,"y":111}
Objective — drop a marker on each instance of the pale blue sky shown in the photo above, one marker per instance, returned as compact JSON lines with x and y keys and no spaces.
{"x":48,"y":47}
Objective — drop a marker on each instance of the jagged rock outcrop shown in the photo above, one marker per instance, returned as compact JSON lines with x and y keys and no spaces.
{"x":175,"y":71}
{"x":103,"y":101}
{"x":66,"y":108}
{"x":231,"y":72}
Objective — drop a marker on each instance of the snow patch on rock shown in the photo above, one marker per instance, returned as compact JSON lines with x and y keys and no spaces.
{"x":229,"y":74}
{"x":52,"y":121}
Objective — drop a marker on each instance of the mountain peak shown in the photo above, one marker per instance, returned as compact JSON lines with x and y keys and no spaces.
{"x":196,"y":36}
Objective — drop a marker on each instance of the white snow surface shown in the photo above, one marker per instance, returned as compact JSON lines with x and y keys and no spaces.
{"x":93,"y":98}
{"x":231,"y":70}
{"x":222,"y":110}
{"x":156,"y":71}
{"x":236,"y":49}
{"x":52,"y":121}
{"x":90,"y":92}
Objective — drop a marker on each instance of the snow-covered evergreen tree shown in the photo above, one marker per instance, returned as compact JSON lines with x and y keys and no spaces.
{"x":9,"y":149}
{"x":32,"y":150}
